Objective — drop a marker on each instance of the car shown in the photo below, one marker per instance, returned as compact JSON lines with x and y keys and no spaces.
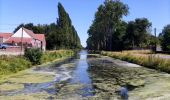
{"x":3,"y":46}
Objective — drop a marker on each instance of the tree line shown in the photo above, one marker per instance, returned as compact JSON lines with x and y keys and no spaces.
{"x":59,"y":35}
{"x":110,"y":32}
{"x":164,"y":38}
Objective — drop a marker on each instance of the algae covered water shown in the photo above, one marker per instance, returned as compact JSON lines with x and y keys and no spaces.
{"x":70,"y":80}
{"x":52,"y":81}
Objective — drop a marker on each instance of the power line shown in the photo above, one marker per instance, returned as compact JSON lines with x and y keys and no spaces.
{"x":9,"y":24}
{"x":6,"y":27}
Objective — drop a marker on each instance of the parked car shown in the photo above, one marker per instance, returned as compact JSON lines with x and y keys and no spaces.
{"x":3,"y":46}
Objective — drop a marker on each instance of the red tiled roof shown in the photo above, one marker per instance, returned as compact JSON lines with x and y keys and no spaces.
{"x":6,"y":35}
{"x":18,"y":40}
{"x":40,"y":37}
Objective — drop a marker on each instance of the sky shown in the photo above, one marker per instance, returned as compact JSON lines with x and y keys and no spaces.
{"x":81,"y":12}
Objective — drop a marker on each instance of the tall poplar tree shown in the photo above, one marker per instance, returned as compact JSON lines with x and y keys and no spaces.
{"x":60,"y":35}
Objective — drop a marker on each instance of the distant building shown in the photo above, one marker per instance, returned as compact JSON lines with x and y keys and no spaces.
{"x":4,"y":37}
{"x":24,"y":37}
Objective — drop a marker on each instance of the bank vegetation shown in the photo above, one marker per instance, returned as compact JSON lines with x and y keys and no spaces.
{"x":13,"y":64}
{"x":144,"y":58}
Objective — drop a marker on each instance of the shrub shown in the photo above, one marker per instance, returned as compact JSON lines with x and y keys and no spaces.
{"x":33,"y":55}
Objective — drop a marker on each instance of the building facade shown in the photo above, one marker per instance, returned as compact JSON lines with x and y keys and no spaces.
{"x":25,"y":38}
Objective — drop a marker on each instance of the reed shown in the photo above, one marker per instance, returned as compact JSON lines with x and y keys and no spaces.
{"x":147,"y":60}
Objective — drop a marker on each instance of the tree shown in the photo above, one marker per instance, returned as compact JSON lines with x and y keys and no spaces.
{"x":118,"y":36}
{"x":165,"y":43}
{"x":107,"y":20}
{"x":18,"y":27}
{"x":68,"y":31}
{"x":109,"y":32}
{"x":137,"y":33}
{"x":60,"y":35}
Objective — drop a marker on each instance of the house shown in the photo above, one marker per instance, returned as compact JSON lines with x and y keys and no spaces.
{"x":4,"y":37}
{"x":26,"y":38}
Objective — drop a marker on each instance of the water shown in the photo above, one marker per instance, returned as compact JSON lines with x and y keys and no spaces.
{"x":76,"y":74}
{"x":81,"y":75}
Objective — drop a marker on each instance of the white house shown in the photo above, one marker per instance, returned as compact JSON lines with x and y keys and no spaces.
{"x":26,"y":38}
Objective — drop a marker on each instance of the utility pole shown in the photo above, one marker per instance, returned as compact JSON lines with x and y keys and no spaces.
{"x":21,"y":40}
{"x":155,"y":40}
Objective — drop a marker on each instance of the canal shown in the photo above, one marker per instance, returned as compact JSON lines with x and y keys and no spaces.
{"x":53,"y":81}
{"x":86,"y":77}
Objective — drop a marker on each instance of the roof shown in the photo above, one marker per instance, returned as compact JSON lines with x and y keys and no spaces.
{"x":18,"y":40}
{"x":6,"y":35}
{"x":37,"y":36}
{"x":29,"y":32}
{"x":40,"y":37}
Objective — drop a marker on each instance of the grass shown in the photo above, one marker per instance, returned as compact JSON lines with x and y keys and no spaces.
{"x":53,"y":55}
{"x":143,"y":58}
{"x":13,"y":64}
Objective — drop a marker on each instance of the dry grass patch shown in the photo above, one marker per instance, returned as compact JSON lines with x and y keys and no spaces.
{"x":147,"y":60}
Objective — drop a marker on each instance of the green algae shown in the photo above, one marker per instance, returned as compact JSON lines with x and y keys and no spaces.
{"x":16,"y":82}
{"x":37,"y":96}
{"x":32,"y":78}
{"x":9,"y":86}
{"x":69,"y":91}
{"x":154,"y":88}
{"x":143,"y":83}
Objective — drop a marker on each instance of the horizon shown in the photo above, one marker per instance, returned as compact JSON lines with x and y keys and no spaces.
{"x":81,"y":13}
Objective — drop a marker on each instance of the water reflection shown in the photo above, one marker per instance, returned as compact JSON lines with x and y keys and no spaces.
{"x":80,"y":74}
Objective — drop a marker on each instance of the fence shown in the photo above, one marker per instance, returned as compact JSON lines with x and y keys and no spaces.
{"x":12,"y":50}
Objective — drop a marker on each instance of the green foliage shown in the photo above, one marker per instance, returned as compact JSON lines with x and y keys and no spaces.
{"x":12,"y":64}
{"x":53,"y":55}
{"x":109,"y":32}
{"x":165,"y":38}
{"x":62,"y":35}
{"x":137,"y":33}
{"x":33,"y":55}
{"x":69,"y":36}
{"x":108,"y":19}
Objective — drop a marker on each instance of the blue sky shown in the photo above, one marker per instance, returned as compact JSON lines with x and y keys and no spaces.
{"x":14,"y":12}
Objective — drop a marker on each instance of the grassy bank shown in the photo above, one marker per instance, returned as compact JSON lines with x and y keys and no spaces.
{"x":53,"y":55}
{"x":144,"y":58}
{"x":13,"y":64}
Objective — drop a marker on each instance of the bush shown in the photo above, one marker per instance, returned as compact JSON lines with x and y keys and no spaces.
{"x":33,"y":55}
